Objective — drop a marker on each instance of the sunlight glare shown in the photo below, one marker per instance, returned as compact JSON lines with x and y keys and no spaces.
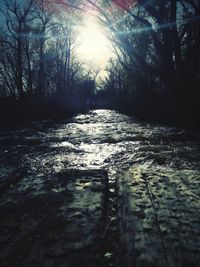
{"x":94,"y":44}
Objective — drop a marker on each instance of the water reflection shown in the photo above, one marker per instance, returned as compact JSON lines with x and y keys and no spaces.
{"x":101,"y":139}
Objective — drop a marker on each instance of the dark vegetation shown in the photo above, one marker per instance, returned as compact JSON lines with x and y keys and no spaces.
{"x":40,"y":75}
{"x":156,"y":73}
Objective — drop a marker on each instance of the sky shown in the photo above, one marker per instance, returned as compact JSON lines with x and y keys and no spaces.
{"x":94,"y":44}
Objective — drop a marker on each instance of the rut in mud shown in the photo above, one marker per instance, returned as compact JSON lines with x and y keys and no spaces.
{"x":100,"y":190}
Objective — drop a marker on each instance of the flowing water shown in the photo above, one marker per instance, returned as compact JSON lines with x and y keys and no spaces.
{"x":99,"y":190}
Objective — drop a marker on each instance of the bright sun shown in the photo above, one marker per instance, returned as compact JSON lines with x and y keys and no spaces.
{"x":94,"y":44}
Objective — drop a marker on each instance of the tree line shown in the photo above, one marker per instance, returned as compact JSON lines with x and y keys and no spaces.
{"x":38,"y":62}
{"x":157,"y":70}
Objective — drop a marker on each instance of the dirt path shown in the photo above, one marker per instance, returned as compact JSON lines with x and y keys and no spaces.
{"x":100,"y":190}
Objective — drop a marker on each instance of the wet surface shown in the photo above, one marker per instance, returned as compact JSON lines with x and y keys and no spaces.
{"x":100,"y":190}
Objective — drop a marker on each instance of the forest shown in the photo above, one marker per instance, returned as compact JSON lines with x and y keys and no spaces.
{"x":100,"y":133}
{"x":154,"y":74}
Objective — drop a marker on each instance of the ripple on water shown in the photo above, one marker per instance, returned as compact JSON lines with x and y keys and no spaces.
{"x":100,"y":139}
{"x":105,"y":137}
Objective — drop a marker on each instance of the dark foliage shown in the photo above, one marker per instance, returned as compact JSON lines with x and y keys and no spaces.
{"x":157,"y":73}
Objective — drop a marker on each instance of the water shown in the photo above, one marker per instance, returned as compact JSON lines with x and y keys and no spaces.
{"x":103,"y":138}
{"x":86,"y":149}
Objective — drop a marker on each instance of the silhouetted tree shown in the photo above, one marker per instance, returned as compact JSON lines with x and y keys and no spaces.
{"x":16,"y":16}
{"x":160,"y":42}
{"x":38,"y":61}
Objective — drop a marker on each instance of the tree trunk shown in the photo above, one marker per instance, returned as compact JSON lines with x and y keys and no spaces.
{"x":19,"y":63}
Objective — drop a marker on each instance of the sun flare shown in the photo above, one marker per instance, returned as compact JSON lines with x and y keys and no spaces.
{"x":94,"y":44}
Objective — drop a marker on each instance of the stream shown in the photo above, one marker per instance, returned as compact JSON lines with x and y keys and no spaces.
{"x":101,"y":189}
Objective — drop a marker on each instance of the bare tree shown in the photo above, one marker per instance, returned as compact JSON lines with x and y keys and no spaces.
{"x":16,"y":16}
{"x":160,"y":39}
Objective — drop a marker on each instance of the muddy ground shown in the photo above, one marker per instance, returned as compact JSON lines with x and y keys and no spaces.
{"x":100,"y":190}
